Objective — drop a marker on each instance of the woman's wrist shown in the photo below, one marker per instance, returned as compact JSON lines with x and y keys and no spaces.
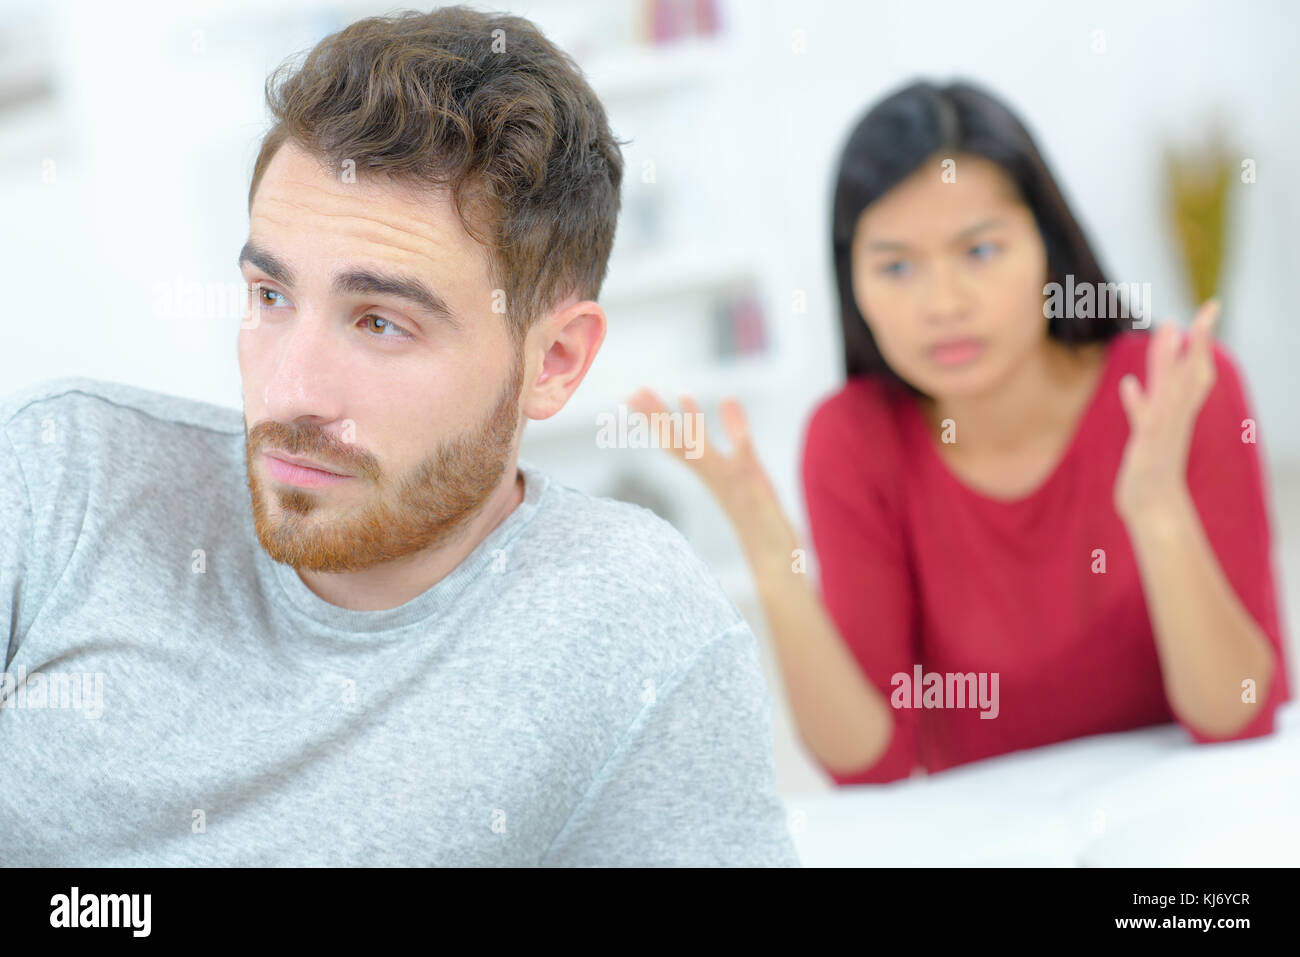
{"x":1162,"y":516}
{"x":773,"y":568}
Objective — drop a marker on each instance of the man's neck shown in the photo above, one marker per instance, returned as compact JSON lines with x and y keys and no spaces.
{"x":395,"y":583}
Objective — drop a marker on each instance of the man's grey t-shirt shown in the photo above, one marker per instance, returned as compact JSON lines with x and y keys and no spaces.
{"x":578,"y":691}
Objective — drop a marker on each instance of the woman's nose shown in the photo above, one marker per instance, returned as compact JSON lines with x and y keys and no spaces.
{"x":945,"y":291}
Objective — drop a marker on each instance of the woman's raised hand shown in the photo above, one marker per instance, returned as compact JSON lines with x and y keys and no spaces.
{"x":736,"y":481}
{"x":1163,"y":416}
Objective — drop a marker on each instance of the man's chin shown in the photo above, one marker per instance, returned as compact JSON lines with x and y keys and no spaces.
{"x":313,"y":556}
{"x":293,"y":529}
{"x":352,"y":545}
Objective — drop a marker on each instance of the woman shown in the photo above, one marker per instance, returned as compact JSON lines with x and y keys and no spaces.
{"x":1069,"y":509}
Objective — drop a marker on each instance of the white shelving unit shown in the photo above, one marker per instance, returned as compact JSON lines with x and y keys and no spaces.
{"x":651,"y":70}
{"x":32,"y":128}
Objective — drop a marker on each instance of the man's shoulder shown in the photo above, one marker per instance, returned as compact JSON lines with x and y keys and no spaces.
{"x":625,"y":537}
{"x":88,"y":401}
{"x":625,"y":563}
{"x":82,"y":443}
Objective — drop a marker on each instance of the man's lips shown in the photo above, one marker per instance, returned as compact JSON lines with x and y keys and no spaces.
{"x":305,"y":463}
{"x":295,"y":470}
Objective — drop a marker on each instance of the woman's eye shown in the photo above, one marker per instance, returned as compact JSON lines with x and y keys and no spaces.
{"x":387,"y":329}
{"x":988,"y":248}
{"x":896,"y":268}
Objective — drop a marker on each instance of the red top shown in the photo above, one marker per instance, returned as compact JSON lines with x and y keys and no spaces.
{"x":919,"y":568}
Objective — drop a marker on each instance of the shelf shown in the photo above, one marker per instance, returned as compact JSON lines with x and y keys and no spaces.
{"x":636,"y":276}
{"x":33,"y":133}
{"x":646,"y":70}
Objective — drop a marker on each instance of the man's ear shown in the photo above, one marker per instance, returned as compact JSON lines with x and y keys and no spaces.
{"x":560,"y":349}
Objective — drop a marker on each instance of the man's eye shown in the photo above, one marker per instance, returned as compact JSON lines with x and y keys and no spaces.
{"x":388,"y":329}
{"x":988,"y":248}
{"x":261,"y":292}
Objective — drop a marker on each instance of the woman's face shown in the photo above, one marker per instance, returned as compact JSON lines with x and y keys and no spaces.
{"x":938,"y":262}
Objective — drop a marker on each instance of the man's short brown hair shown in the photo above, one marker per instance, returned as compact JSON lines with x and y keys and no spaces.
{"x":482,"y":105}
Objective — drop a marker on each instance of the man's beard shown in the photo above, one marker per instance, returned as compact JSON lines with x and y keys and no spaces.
{"x":431,"y":505}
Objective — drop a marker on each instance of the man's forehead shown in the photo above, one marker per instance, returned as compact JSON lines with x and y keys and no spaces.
{"x":299,"y":189}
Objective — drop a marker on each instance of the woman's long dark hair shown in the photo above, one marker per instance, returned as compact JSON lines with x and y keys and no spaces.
{"x":899,"y":135}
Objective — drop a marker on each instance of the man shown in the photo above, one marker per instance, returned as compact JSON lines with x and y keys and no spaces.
{"x":353,"y":628}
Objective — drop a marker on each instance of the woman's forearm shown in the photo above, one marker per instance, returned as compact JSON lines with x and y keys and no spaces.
{"x":1207,"y":641}
{"x":840,"y":715}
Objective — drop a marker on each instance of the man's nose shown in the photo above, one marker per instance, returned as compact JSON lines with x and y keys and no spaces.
{"x":307,"y":379}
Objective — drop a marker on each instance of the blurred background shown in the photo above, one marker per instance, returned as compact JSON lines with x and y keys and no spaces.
{"x":128,"y":133}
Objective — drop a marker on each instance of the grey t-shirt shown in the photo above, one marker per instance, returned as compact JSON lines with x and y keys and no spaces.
{"x":578,"y":691}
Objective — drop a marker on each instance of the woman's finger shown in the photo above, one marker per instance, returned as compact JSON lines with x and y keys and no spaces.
{"x":736,"y":425}
{"x":1132,"y":400}
{"x":1160,"y":356}
{"x":646,"y":402}
{"x":703,"y":447}
{"x":1189,"y":371}
{"x":1202,"y":334}
{"x":659,"y":418}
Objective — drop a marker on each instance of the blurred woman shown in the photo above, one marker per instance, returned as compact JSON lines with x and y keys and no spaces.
{"x":1019,"y":487}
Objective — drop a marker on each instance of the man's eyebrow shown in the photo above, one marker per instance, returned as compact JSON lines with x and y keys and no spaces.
{"x":263,"y":260}
{"x":889,"y":245}
{"x":359,"y":281}
{"x":414,"y":291}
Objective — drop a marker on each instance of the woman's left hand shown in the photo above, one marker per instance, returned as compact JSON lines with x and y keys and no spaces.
{"x":1153,"y":469}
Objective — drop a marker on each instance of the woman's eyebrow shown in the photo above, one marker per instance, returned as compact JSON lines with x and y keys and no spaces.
{"x":889,"y":245}
{"x":977,"y":228}
{"x":359,"y":281}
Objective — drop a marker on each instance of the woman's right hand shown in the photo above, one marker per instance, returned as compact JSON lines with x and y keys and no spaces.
{"x":737,"y":481}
